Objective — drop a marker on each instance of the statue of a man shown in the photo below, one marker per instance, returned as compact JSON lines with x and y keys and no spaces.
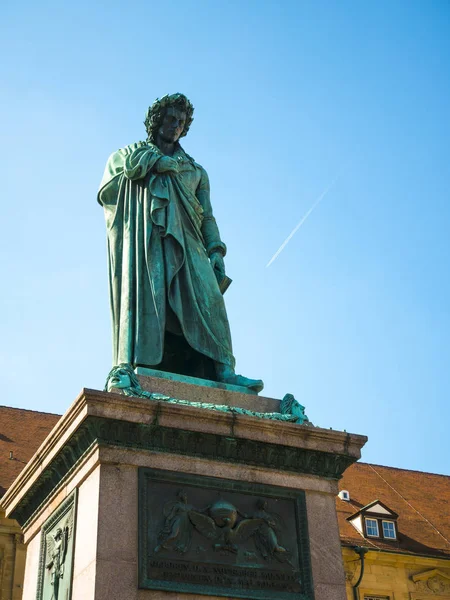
{"x":166,"y":255}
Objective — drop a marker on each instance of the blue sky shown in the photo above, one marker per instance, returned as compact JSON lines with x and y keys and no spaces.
{"x":353,"y":317}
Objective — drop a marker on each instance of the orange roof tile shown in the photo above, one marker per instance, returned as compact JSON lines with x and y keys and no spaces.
{"x":21,"y":432}
{"x":421,"y":500}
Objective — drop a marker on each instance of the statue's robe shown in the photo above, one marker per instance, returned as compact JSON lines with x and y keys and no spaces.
{"x":161,"y":231}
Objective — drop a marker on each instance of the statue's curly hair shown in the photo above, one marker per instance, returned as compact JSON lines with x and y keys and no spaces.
{"x":155,"y":114}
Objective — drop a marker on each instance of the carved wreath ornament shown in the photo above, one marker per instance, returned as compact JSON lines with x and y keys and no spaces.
{"x":122,"y":378}
{"x":433,"y":581}
{"x":435,"y":585}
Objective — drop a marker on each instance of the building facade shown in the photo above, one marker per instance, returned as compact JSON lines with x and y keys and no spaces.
{"x":21,"y":434}
{"x":398,"y":521}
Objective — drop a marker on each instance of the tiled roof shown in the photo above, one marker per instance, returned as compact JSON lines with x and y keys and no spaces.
{"x":421,"y":500}
{"x":21,"y":432}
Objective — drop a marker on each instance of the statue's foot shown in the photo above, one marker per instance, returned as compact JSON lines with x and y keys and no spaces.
{"x":252,"y":384}
{"x":226,"y":374}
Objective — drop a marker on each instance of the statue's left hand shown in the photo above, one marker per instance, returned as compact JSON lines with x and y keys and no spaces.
{"x":217,"y":262}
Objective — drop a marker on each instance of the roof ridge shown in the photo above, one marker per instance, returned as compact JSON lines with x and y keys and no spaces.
{"x":401,"y":469}
{"x":40,"y":412}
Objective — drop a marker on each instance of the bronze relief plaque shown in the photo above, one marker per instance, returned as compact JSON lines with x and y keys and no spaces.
{"x":204,"y":535}
{"x":56,"y":552}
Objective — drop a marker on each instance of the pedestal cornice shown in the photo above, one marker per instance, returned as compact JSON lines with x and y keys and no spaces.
{"x":104,"y":419}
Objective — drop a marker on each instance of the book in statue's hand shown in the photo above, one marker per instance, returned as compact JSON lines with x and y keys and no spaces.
{"x":223,"y":280}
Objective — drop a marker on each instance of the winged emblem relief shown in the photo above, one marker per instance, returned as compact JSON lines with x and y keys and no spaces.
{"x":225,"y":528}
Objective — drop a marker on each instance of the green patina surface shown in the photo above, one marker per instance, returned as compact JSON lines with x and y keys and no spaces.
{"x":237,"y":572}
{"x":166,"y":267}
{"x":124,"y":379}
{"x":57,"y":551}
{"x":111,"y":432}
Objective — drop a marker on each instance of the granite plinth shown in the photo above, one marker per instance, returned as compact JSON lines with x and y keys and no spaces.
{"x":194,"y":390}
{"x":103,"y":440}
{"x":146,"y":372}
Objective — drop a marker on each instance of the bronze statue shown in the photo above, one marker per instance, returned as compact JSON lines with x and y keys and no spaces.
{"x":166,"y":267}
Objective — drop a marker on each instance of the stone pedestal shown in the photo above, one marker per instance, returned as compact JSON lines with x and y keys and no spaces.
{"x":93,"y":487}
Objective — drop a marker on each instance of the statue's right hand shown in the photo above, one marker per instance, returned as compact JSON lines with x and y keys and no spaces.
{"x":166,"y":164}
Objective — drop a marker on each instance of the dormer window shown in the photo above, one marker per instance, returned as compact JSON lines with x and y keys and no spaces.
{"x":376,"y":520}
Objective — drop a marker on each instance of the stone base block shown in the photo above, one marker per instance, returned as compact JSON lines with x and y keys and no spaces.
{"x":179,"y":502}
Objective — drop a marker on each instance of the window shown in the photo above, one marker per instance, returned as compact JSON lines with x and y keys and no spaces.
{"x":375,"y":520}
{"x":389,"y":530}
{"x":344,"y":495}
{"x":377,"y":527}
{"x":372,"y":527}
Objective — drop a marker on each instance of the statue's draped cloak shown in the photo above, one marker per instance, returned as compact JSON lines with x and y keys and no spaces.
{"x":159,"y":229}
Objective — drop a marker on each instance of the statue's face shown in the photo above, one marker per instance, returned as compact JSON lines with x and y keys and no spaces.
{"x":172,"y":125}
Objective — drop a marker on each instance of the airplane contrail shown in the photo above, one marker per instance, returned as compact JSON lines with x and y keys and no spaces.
{"x":300,"y":223}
